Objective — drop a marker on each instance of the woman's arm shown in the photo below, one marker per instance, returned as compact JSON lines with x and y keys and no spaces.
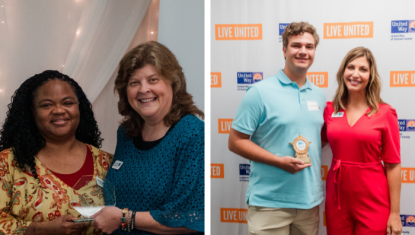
{"x":392,"y":158}
{"x":61,"y":225}
{"x":109,"y":220}
{"x":393,"y":174}
{"x":144,"y":221}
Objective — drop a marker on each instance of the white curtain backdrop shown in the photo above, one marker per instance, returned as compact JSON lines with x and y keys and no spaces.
{"x":106,"y":29}
{"x":105,"y":105}
{"x":84,"y":39}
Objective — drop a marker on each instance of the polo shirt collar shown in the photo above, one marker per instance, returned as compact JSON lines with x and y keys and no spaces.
{"x":307,"y":85}
{"x":285,"y":80}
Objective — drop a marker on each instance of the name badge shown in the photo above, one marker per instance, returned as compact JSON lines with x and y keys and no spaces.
{"x":100,"y":182}
{"x":312,"y":105}
{"x":336,"y":115}
{"x":117,"y":164}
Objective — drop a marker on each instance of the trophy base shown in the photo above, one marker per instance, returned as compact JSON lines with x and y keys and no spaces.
{"x":306,"y":160}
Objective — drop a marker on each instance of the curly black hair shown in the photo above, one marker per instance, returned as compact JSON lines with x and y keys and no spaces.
{"x":20,"y":132}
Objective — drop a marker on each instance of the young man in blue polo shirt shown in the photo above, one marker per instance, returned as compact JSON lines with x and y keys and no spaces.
{"x":283,"y":193}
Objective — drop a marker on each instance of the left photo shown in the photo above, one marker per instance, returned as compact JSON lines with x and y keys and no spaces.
{"x":102,"y":117}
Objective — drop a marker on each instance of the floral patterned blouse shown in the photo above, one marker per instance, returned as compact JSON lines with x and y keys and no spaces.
{"x":24,"y":200}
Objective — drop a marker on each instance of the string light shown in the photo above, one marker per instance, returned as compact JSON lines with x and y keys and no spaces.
{"x":78,"y":32}
{"x":63,"y":65}
{"x":2,"y":22}
{"x":152,"y":32}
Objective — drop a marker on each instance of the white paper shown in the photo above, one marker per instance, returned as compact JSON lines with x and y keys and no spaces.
{"x":88,"y":211}
{"x":312,"y":105}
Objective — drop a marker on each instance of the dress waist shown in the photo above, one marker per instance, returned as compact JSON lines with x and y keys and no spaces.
{"x":337,"y":163}
{"x":355,"y":163}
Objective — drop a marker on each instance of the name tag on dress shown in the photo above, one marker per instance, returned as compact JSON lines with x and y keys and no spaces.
{"x":117,"y":164}
{"x":336,"y":115}
{"x":100,"y":182}
{"x":312,"y":105}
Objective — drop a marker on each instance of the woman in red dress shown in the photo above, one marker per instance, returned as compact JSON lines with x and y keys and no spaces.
{"x":363,"y":195}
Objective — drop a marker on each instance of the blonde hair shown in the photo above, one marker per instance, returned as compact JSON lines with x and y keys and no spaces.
{"x":372,"y":89}
{"x":299,"y":28}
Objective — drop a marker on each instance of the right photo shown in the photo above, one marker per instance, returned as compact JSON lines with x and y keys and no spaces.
{"x":313,"y":125}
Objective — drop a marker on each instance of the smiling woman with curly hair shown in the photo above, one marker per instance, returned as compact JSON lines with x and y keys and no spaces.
{"x":49,"y":155}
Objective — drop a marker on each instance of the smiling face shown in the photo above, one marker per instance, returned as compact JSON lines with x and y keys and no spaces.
{"x":299,"y":53}
{"x":149,"y":94}
{"x":356,"y":75}
{"x":56,"y":110}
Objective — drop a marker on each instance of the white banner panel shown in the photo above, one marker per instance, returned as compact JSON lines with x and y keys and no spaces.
{"x":246,"y":47}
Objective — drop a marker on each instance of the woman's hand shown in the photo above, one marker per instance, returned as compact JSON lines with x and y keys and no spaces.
{"x":60,"y":225}
{"x":65,"y":225}
{"x":394,"y":226}
{"x":393,"y":175}
{"x":108,"y":219}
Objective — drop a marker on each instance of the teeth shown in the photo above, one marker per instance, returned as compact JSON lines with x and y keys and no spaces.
{"x":147,"y":100}
{"x":354,"y":82}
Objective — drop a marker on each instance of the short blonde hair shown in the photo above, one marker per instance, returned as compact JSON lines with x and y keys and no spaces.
{"x":299,"y":28}
{"x":373,"y":87}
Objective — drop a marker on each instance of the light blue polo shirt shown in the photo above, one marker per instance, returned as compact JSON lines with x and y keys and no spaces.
{"x":274,"y":112}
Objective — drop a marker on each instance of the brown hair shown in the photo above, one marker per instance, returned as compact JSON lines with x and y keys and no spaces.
{"x":296,"y":28}
{"x":168,"y":68}
{"x":373,"y":86}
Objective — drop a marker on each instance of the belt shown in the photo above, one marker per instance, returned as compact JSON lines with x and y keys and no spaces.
{"x":337,"y":175}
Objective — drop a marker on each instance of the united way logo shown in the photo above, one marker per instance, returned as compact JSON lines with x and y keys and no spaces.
{"x":245,"y":79}
{"x":401,"y":28}
{"x":257,"y":77}
{"x":408,"y":220}
{"x":282,"y":29}
{"x":244,"y":171}
{"x":410,"y":125}
{"x":406,"y":125}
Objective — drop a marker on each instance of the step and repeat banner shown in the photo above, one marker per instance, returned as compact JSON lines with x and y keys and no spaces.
{"x":246,"y":47}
